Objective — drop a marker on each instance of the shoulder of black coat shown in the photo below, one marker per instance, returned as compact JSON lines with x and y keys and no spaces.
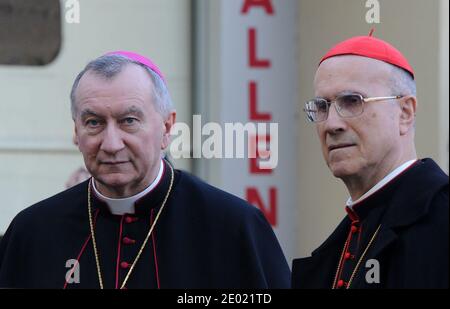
{"x":192,"y":188}
{"x":55,"y":207}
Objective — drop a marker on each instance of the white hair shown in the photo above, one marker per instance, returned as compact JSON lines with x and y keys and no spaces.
{"x":401,"y":82}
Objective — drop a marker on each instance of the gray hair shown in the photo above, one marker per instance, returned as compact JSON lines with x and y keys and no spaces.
{"x":109,"y":66}
{"x":401,"y":82}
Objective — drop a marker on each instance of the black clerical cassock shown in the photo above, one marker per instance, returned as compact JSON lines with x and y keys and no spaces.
{"x":204,"y":238}
{"x":395,"y":238}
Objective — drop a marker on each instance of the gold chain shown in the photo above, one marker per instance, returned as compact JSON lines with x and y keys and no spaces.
{"x":357,"y":264}
{"x":94,"y":243}
{"x":97,"y":260}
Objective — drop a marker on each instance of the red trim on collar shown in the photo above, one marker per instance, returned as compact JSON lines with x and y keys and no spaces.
{"x":343,"y":260}
{"x":154,"y":252}
{"x":352,"y":214}
{"x":118,"y":251}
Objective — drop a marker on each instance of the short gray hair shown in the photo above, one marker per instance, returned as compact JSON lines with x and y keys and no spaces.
{"x":401,"y":82}
{"x":108,"y":66}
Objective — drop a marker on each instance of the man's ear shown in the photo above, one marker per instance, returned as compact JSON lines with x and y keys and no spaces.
{"x":75,"y":135}
{"x":168,"y":124}
{"x":408,"y":107}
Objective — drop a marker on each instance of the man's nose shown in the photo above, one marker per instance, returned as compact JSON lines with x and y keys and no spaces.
{"x":112,"y":140}
{"x":334,"y":123}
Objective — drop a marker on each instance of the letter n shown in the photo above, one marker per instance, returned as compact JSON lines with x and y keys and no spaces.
{"x":270,"y":212}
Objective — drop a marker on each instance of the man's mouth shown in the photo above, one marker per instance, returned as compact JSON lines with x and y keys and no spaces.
{"x":114,"y":162}
{"x":339,"y":146}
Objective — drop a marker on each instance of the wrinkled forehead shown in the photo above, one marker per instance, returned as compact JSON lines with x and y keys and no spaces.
{"x":350,"y":73}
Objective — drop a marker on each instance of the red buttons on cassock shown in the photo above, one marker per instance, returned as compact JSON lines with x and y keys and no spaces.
{"x":124,"y":265}
{"x":341,"y":283}
{"x":347,"y":255}
{"x":130,"y":219}
{"x":128,"y":241}
{"x":354,"y":229}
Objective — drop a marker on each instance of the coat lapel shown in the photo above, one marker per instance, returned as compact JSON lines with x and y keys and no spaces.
{"x":403,"y":209}
{"x":385,"y":238}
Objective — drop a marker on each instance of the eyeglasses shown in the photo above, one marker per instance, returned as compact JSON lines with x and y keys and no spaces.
{"x":347,"y":106}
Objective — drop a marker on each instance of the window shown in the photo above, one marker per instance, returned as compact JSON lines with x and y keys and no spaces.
{"x":30,"y":32}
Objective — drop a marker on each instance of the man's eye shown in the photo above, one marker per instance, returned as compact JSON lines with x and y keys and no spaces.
{"x":92,"y":123}
{"x":321,"y":106}
{"x":129,"y":121}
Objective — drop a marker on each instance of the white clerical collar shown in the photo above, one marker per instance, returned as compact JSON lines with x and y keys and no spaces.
{"x":382,"y":182}
{"x":123,"y":206}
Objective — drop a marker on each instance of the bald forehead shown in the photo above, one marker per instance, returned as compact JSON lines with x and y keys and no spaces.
{"x":353,"y":63}
{"x":351,"y":70}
